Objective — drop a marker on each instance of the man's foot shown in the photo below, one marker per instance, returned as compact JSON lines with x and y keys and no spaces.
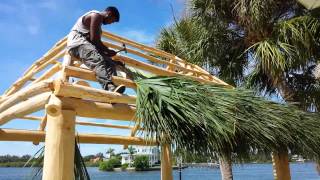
{"x":118,"y":89}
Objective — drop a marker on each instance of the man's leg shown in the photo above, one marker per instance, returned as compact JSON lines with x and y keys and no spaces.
{"x":109,"y":68}
{"x":104,"y":68}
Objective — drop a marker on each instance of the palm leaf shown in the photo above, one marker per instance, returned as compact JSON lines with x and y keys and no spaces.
{"x":80,"y":170}
{"x":211,"y":118}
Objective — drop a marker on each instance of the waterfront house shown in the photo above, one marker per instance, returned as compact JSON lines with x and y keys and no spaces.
{"x":152,"y":152}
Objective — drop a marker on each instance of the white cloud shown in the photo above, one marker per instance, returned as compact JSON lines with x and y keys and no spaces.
{"x":139,"y":36}
{"x":28,"y":14}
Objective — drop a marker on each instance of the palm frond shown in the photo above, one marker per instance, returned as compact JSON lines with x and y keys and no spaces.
{"x":80,"y":170}
{"x":211,"y":118}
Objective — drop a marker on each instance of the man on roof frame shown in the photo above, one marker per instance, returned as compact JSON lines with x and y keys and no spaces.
{"x":84,"y":42}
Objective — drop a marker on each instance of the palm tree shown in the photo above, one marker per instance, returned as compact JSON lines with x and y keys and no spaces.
{"x":274,"y":44}
{"x":110,"y":151}
{"x":131,"y":150}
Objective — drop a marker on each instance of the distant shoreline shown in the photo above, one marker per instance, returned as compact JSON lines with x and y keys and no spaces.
{"x":21,"y":164}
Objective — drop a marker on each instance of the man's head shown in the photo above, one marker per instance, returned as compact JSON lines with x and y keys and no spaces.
{"x":111,"y":15}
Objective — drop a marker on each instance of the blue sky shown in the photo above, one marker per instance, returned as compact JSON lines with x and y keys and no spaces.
{"x":28,"y":28}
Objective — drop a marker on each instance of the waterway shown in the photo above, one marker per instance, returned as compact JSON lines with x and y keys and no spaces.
{"x":299,"y":171}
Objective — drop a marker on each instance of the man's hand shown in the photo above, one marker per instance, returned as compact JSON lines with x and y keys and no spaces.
{"x":111,"y":53}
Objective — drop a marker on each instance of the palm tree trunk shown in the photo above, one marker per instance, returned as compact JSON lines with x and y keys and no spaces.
{"x":281,"y":169}
{"x":226,"y":167}
{"x":280,"y":160}
{"x":285,"y":91}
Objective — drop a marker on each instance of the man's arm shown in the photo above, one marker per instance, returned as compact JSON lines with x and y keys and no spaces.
{"x":95,"y":36}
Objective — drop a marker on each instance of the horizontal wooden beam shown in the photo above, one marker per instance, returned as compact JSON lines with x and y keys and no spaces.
{"x":33,"y":118}
{"x":83,"y":123}
{"x":87,"y":74}
{"x":88,"y":93}
{"x":39,"y":136}
{"x":99,"y":110}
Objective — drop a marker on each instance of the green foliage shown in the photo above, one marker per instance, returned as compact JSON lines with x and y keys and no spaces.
{"x":9,"y":158}
{"x":141,"y":163}
{"x":124,"y":166}
{"x":88,"y":158}
{"x":211,"y":118}
{"x":110,"y":164}
{"x":105,"y":166}
{"x":268,"y":44}
{"x":92,"y":164}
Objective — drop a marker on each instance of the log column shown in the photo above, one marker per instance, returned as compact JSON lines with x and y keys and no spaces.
{"x":281,"y":169}
{"x":166,"y":163}
{"x":59,"y":142}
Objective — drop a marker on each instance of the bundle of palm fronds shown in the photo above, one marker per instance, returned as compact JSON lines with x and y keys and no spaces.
{"x":212,"y":118}
{"x":80,"y":170}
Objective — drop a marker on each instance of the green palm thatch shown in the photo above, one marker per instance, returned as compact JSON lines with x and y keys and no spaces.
{"x":211,"y":118}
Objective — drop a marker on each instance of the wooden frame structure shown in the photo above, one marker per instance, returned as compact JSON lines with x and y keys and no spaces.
{"x":47,"y":85}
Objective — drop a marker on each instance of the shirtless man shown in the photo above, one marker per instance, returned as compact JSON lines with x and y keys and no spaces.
{"x":84,"y":42}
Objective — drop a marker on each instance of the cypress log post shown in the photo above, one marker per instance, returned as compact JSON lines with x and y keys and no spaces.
{"x":281,"y":169}
{"x":59,"y":144}
{"x":166,"y":164}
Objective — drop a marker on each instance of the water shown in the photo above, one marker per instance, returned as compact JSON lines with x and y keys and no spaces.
{"x":299,"y":171}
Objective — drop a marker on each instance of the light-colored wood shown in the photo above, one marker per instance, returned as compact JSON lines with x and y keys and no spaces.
{"x":148,"y":49}
{"x":98,"y":110}
{"x":133,"y":133}
{"x":59,"y":46}
{"x":281,"y":168}
{"x":49,"y":73}
{"x":89,"y":93}
{"x":82,"y":83}
{"x":53,"y":108}
{"x":103,"y":139}
{"x":81,"y":73}
{"x":170,"y":63}
{"x":21,"y":135}
{"x":43,"y":123}
{"x":66,"y":62}
{"x":161,"y":72}
{"x":24,"y":108}
{"x":25,"y":94}
{"x":31,"y":135}
{"x":60,"y":146}
{"x":103,"y":125}
{"x":83,"y":123}
{"x":33,"y":118}
{"x":22,"y":81}
{"x":87,"y":74}
{"x":166,"y":163}
{"x":122,"y":81}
